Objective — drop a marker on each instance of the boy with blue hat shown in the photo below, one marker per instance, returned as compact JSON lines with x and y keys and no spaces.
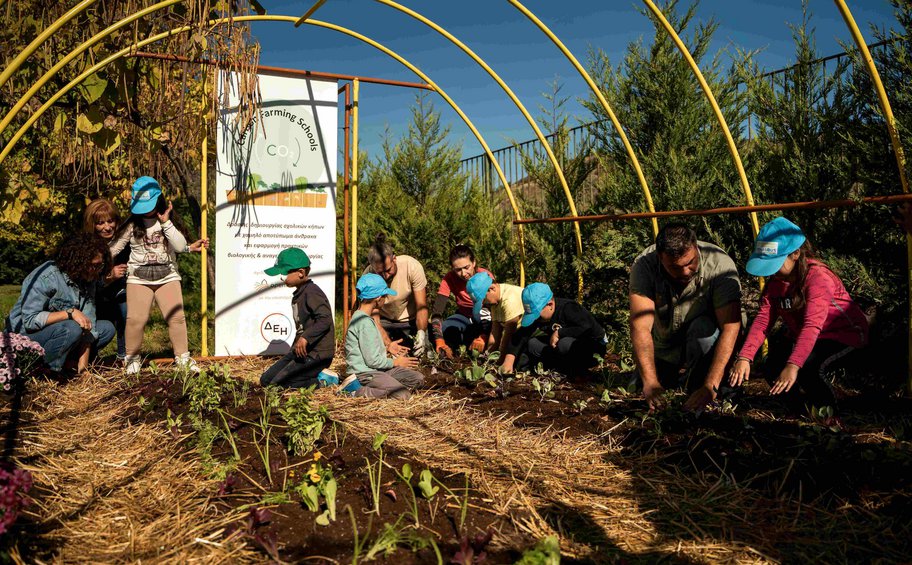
{"x":557,"y":332}
{"x":366,"y":361}
{"x":505,"y":304}
{"x":314,"y":345}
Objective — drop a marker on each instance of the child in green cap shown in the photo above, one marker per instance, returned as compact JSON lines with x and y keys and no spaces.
{"x":314,"y":344}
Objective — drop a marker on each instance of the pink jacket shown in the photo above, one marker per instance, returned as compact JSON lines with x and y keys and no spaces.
{"x":829,"y":313}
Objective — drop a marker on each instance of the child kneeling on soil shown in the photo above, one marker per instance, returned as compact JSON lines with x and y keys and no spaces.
{"x":314,"y":344}
{"x":822,"y":322}
{"x":557,"y":332}
{"x":365,"y":355}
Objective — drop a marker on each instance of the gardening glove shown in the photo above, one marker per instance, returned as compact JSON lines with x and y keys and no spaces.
{"x":479,"y":343}
{"x":443,"y":350}
{"x":421,"y":343}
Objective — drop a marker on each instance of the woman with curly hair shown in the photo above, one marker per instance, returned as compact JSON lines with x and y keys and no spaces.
{"x":102,"y":219}
{"x":56,"y":307}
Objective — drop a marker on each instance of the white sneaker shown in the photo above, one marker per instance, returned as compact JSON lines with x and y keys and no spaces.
{"x":184,"y":362}
{"x":132,"y":364}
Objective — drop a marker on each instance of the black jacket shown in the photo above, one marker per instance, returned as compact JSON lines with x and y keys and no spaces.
{"x":314,"y":320}
{"x":574,"y":321}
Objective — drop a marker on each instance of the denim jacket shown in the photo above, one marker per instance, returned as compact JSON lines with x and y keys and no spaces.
{"x":46,"y":290}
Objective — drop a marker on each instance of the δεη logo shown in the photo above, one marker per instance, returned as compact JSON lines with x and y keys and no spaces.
{"x":276,"y":327}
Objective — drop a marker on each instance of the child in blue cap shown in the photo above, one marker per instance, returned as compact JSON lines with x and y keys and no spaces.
{"x":154,"y":242}
{"x":314,"y":344}
{"x":822,"y":323}
{"x":557,"y":332}
{"x":504,"y":301}
{"x":365,"y":356}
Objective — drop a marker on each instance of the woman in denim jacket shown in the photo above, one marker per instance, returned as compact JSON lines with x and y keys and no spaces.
{"x":56,"y":306}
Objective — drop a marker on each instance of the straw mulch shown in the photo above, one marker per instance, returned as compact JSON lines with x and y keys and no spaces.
{"x":607,"y":506}
{"x":109,"y":490}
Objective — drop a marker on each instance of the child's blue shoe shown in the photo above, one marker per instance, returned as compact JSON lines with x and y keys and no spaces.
{"x":328,"y":378}
{"x":350,"y":385}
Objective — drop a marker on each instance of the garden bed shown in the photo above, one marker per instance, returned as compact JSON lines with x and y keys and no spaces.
{"x":521,"y":461}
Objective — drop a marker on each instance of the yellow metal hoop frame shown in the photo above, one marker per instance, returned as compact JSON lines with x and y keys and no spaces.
{"x":601,"y":98}
{"x":894,"y":139}
{"x":23,"y":100}
{"x":732,"y":148}
{"x":522,"y":109}
{"x":14,"y":65}
{"x":123,"y":52}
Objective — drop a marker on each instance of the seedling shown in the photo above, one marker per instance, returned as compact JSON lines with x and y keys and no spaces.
{"x":373,"y":474}
{"x":543,"y":387}
{"x":426,"y":484}
{"x":580,"y":405}
{"x":406,"y":477}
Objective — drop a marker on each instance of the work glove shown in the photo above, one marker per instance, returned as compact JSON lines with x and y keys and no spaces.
{"x":421,"y":343}
{"x":479,"y":343}
{"x":443,"y":350}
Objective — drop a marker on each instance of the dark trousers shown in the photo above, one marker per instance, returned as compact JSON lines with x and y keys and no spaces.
{"x":687,"y":364}
{"x":571,"y":356}
{"x":114,"y":309}
{"x":295,"y":372}
{"x":812,"y":382}
{"x":461,"y":330}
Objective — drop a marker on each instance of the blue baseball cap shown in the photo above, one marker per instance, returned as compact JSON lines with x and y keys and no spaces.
{"x":776,"y":240}
{"x":146,"y":191}
{"x":372,"y":286}
{"x":534,"y":298}
{"x":477,"y":287}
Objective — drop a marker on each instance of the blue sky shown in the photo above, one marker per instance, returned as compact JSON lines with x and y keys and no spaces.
{"x":517,"y":50}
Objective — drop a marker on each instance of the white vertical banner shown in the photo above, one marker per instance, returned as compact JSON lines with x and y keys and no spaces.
{"x":275,"y":188}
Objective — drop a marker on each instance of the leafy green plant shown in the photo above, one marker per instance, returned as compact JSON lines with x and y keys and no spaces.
{"x":545,"y":552}
{"x":319,"y":482}
{"x":203,"y":391}
{"x":482,"y":367}
{"x":544,"y":387}
{"x":305,"y":424}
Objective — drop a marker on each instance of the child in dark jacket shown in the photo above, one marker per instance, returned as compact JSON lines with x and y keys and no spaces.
{"x":822,"y":323}
{"x":314,"y":344}
{"x":557,"y":332}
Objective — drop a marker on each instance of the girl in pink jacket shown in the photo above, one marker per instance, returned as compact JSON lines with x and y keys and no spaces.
{"x":822,"y":322}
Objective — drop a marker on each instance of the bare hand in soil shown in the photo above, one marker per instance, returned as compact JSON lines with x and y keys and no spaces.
{"x":740,"y":372}
{"x":700,"y":398}
{"x":653,"y":394}
{"x":407,"y":362}
{"x":786,"y":379}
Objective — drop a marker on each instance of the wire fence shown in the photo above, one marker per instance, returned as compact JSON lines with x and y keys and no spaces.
{"x":512,"y":159}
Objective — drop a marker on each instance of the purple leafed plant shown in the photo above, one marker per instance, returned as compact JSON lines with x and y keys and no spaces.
{"x":472,"y":549}
{"x":227,"y":486}
{"x":19,"y":356}
{"x":14,"y":486}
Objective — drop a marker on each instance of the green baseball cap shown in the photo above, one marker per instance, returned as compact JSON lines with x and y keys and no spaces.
{"x":290,"y":259}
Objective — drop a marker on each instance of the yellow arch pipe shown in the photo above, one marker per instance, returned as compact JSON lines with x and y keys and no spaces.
{"x":23,"y":100}
{"x":525,"y":113}
{"x":894,"y":138}
{"x":119,"y":54}
{"x":732,"y":148}
{"x":42,"y":37}
{"x":356,"y":96}
{"x":601,"y":98}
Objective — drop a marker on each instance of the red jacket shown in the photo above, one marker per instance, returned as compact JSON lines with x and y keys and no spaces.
{"x":829,"y":313}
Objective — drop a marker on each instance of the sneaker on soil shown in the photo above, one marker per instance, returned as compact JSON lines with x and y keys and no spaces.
{"x":132,"y":365}
{"x":184,"y":362}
